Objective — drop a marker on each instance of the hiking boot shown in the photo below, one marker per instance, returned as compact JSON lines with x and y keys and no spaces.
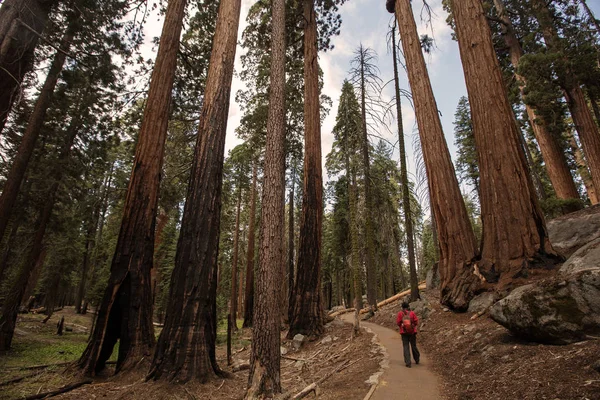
{"x":416,"y":362}
{"x":407,"y":365}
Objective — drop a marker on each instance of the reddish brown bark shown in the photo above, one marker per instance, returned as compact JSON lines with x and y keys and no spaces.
{"x":583,"y":170}
{"x":514,"y":229}
{"x":290,"y":249}
{"x":588,"y":132}
{"x":456,"y":238}
{"x":249,"y":295}
{"x":264,"y":380}
{"x":186,"y":347}
{"x":19,"y":22}
{"x":552,"y":153}
{"x":125,"y":313}
{"x":34,"y":126}
{"x":307,"y":315}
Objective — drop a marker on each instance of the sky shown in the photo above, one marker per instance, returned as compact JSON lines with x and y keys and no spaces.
{"x":367,"y":22}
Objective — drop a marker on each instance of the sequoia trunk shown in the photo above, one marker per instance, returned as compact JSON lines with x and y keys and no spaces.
{"x":554,"y":157}
{"x":307,"y":315}
{"x":514,"y":229}
{"x":125,"y":312}
{"x":456,"y":238}
{"x":265,"y":374}
{"x":186,"y":346}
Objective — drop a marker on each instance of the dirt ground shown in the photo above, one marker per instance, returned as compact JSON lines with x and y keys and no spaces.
{"x":480,"y":360}
{"x":298,"y":368}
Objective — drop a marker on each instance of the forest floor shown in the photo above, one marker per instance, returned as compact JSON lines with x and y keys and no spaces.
{"x":36,"y":344}
{"x":481,"y":360}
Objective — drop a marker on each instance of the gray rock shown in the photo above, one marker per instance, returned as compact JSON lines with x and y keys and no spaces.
{"x":477,"y":335}
{"x":432,"y":279}
{"x":587,"y":257}
{"x":421,"y":307}
{"x":283,"y":350}
{"x":559,"y":311}
{"x":337,"y":308}
{"x":571,"y":232}
{"x":481,"y":302}
{"x":326,"y":339}
{"x":298,"y":341}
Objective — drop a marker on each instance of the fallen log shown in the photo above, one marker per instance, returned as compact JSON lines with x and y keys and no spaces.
{"x":56,"y":392}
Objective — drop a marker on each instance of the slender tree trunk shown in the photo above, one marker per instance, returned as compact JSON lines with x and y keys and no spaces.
{"x":369,"y":233}
{"x":234,"y":264}
{"x":553,"y":154}
{"x":456,"y":238}
{"x":591,"y":16}
{"x":307,"y":317}
{"x":125,"y":312}
{"x":15,"y":176}
{"x":161,"y":222}
{"x":587,"y":129}
{"x":35,"y":276}
{"x":535,"y":176}
{"x":89,"y":248}
{"x":355,"y":249}
{"x":265,"y":379}
{"x":514,"y":229}
{"x":249,"y":302}
{"x":21,"y":24}
{"x":291,"y":235}
{"x":404,"y":176}
{"x":8,"y":318}
{"x":583,"y":170}
{"x":186,"y":346}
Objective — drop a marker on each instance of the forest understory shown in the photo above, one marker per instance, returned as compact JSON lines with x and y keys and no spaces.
{"x":36,"y":344}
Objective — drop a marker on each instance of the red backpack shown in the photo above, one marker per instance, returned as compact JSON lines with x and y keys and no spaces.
{"x":407,"y":324}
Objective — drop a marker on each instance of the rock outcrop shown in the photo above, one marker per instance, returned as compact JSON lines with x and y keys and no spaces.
{"x":482,"y":302}
{"x":587,"y":257}
{"x":573,"y":231}
{"x":561,"y":310}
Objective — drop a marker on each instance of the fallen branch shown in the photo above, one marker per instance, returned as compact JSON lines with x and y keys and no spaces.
{"x":293,"y":359}
{"x":370,"y":393}
{"x":313,"y":386}
{"x":43,"y":365}
{"x":62,"y":390}
{"x":19,"y":379}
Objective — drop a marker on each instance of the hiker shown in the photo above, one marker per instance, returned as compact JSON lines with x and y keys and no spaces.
{"x":407,"y":321}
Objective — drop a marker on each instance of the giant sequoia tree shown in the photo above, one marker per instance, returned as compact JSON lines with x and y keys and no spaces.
{"x":456,"y":238}
{"x":186,"y":346}
{"x":514,"y":229}
{"x":125,"y":313}
{"x":264,"y":378}
{"x":307,"y":314}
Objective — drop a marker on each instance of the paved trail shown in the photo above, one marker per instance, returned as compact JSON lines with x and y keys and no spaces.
{"x":399,"y":382}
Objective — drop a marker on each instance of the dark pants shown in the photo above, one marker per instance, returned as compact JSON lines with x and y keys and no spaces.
{"x":412,"y":339}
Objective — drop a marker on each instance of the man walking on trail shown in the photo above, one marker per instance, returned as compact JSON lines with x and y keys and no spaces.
{"x":407,"y":321}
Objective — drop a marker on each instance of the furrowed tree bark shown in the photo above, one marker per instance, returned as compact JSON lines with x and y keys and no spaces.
{"x":17,"y":46}
{"x":249,"y":295}
{"x":583,"y":120}
{"x":291,"y":235}
{"x":455,"y":233}
{"x":514,"y":229}
{"x":369,"y":234}
{"x":307,"y":315}
{"x":125,"y":312}
{"x":583,"y":170}
{"x":10,"y":309}
{"x":265,"y":374}
{"x":234,"y":264}
{"x":404,"y":176}
{"x":34,"y":126}
{"x":186,"y":346}
{"x":552,"y":153}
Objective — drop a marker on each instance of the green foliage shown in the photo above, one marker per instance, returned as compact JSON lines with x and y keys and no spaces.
{"x":466,"y":162}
